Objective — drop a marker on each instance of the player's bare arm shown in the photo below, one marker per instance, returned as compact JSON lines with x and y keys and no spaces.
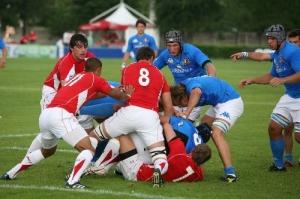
{"x":256,"y":56}
{"x":167,"y":106}
{"x":295,"y":78}
{"x":211,"y":69}
{"x":193,"y":100}
{"x":3,"y":59}
{"x":264,"y":79}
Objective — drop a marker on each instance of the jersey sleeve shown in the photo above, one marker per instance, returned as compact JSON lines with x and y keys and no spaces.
{"x":129,"y":46}
{"x":176,"y":146}
{"x":64,"y":67}
{"x":295,"y":60}
{"x":159,"y":62}
{"x":152,"y":43}
{"x":2,"y":44}
{"x":200,"y":57}
{"x":102,"y":85}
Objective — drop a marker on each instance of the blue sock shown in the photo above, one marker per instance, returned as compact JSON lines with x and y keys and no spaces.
{"x":277,"y":147}
{"x":229,"y":170}
{"x":288,"y":157}
{"x":99,"y":150}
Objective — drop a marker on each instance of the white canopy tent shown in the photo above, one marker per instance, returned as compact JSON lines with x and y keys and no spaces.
{"x":123,"y":14}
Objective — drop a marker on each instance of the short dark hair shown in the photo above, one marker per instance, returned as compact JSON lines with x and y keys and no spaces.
{"x":294,"y":33}
{"x":78,"y":38}
{"x":142,"y":21}
{"x":178,"y":92}
{"x":201,"y":153}
{"x":92,"y":64}
{"x":145,"y":53}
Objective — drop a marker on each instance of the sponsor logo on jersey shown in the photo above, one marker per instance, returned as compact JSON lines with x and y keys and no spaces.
{"x":170,"y":61}
{"x":186,"y":61}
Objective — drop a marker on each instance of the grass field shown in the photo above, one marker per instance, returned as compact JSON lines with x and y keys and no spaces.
{"x":20,"y":91}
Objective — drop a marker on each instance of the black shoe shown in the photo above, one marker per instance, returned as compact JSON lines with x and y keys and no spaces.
{"x":229,"y":178}
{"x":157,"y":179}
{"x":273,"y":167}
{"x":5,"y":177}
{"x":118,"y":173}
{"x":76,"y":185}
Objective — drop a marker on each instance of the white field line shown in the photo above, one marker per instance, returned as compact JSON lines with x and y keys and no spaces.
{"x":17,"y":135}
{"x":94,"y":192}
{"x":25,"y":149}
{"x":20,"y":89}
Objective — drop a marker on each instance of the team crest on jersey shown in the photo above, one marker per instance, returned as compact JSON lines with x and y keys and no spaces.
{"x":146,"y":40}
{"x":170,"y":61}
{"x":186,"y":61}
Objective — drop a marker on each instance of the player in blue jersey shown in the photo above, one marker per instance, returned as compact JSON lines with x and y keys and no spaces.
{"x":141,"y":39}
{"x":184,"y":61}
{"x":285,"y":70}
{"x":226,"y":107}
{"x":293,"y":37}
{"x":4,"y":53}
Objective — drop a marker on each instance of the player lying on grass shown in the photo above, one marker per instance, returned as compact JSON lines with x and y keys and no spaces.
{"x":135,"y":163}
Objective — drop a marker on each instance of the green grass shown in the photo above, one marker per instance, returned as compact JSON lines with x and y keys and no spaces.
{"x":20,"y":88}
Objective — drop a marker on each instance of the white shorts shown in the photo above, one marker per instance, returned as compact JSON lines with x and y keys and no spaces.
{"x":130,"y":167}
{"x":289,"y":108}
{"x":229,"y":111}
{"x":130,"y":119}
{"x":48,"y":94}
{"x":56,"y":123}
{"x":86,"y":121}
{"x":195,"y":113}
{"x":143,"y":153}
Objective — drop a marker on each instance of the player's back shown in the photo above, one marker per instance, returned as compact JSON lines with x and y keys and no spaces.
{"x":78,"y":90}
{"x":181,"y":166}
{"x":148,"y":82}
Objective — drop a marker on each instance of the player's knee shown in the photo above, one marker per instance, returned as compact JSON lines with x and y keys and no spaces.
{"x":297,"y":132}
{"x":222,"y":125}
{"x":49,"y":152}
{"x":277,"y":119}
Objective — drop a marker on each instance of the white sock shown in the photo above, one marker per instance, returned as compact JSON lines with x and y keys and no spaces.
{"x":162,"y":165}
{"x":94,"y":142}
{"x":111,"y":151}
{"x":29,"y":160}
{"x":81,"y":163}
{"x":35,"y":144}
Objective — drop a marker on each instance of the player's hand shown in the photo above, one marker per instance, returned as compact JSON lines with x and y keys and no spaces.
{"x":128,"y":90}
{"x":276,"y":81}
{"x":123,"y":65}
{"x":236,"y":56}
{"x":245,"y":82}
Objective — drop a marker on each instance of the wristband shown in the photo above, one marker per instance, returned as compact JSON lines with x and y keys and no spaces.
{"x":245,"y":55}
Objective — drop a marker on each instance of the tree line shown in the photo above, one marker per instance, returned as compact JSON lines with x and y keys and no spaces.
{"x":189,"y":16}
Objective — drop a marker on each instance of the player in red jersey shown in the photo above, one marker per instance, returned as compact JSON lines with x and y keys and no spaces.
{"x":65,"y":69}
{"x":183,"y":167}
{"x":140,"y":115}
{"x":58,"y":121}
